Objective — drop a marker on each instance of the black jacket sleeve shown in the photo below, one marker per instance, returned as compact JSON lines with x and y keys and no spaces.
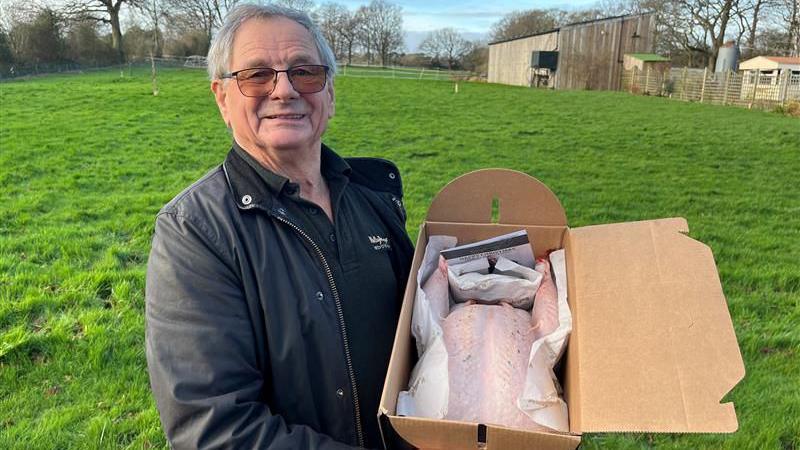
{"x":200,"y":352}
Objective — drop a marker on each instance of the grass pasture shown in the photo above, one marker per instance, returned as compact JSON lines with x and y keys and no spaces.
{"x":86,"y":161}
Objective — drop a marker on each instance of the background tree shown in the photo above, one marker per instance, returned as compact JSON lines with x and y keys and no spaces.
{"x":140,"y":42}
{"x":39,"y":39}
{"x":382,"y":29}
{"x":789,"y":12}
{"x":332,"y":19}
{"x":523,"y":23}
{"x":191,"y":16}
{"x":447,"y":46}
{"x":153,"y":14}
{"x":349,"y":33}
{"x":6,"y":55}
{"x":185,"y":42}
{"x":300,"y":5}
{"x":103,"y":11}
{"x":749,"y":14}
{"x":477,"y":59}
{"x":87,"y":47}
{"x":6,"y":51}
{"x":363,"y":32}
{"x":712,"y":17}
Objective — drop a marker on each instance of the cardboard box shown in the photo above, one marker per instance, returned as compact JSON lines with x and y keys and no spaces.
{"x":652,"y":347}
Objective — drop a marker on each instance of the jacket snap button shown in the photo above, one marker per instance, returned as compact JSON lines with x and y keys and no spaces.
{"x":392,"y":176}
{"x":332,"y":237}
{"x":339,"y":393}
{"x":246,"y":200}
{"x":320,"y":296}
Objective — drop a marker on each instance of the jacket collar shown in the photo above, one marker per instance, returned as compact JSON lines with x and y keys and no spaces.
{"x":253,"y":185}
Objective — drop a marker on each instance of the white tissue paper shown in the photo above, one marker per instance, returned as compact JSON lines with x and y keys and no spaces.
{"x":510,"y":282}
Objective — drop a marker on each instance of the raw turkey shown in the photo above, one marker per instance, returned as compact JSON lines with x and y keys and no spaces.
{"x":437,"y":291}
{"x":488,"y":348}
{"x":545,"y":306}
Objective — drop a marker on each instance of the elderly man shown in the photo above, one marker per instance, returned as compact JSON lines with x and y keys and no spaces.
{"x":274,"y":282}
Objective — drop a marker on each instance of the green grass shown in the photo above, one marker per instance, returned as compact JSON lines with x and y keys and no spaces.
{"x":86,"y":161}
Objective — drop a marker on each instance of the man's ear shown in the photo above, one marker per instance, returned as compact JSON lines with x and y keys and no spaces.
{"x":220,"y":95}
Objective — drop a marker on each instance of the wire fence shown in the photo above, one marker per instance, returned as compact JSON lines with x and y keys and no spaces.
{"x":199,"y":62}
{"x":403,"y":72}
{"x":18,"y":71}
{"x":750,"y":89}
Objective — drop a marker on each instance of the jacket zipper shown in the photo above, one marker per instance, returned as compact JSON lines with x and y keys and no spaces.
{"x":340,"y":314}
{"x":399,"y":204}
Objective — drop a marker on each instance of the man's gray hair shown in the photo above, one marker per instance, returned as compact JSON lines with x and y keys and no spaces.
{"x":219,"y":55}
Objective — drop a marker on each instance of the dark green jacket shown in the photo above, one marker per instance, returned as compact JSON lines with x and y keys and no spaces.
{"x":240,"y":352}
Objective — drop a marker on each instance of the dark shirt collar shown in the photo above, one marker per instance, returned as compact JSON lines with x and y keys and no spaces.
{"x":255,"y":186}
{"x":331,"y":165}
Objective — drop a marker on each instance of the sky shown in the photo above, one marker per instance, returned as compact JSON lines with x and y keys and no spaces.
{"x":470,"y":17}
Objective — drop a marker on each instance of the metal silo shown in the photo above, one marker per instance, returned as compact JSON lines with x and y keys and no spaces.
{"x":728,"y":58}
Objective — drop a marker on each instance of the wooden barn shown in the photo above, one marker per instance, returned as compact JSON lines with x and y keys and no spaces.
{"x":583,"y":55}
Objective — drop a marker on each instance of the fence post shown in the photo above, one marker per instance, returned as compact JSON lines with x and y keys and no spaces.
{"x":703,"y":88}
{"x":647,"y":81}
{"x":785,"y":87}
{"x":153,"y":74}
{"x":725,"y":89}
{"x":755,"y":88}
{"x":633,"y":79}
{"x":422,"y":73}
{"x":683,"y":83}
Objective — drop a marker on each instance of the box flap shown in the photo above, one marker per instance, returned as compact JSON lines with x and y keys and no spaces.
{"x":406,"y":433}
{"x":403,"y":355}
{"x":654,"y":347}
{"x":512,"y":439}
{"x":517,"y":197}
{"x":421,"y":433}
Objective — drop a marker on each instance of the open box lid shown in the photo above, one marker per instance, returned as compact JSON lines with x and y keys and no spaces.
{"x":516,"y":197}
{"x":653,"y":347}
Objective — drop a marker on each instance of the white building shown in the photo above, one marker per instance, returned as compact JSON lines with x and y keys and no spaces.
{"x":771,"y":78}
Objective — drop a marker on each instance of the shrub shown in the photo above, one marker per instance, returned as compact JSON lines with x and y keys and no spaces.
{"x":791,"y":108}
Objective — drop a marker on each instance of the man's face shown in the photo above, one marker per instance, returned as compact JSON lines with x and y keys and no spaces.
{"x":285,"y":120}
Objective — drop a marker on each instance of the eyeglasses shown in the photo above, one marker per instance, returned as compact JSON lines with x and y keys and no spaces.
{"x":261,"y":81}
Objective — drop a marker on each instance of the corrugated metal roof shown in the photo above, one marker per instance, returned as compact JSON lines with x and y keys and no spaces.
{"x":784,"y":59}
{"x":648,"y":57}
{"x":769,"y":62}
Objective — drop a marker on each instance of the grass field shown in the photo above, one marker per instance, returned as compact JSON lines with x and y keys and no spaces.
{"x":86,"y":161}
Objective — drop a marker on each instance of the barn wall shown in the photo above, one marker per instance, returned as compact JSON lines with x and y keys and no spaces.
{"x":590,"y":55}
{"x":510,"y":62}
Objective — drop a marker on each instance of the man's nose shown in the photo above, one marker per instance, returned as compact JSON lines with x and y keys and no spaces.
{"x":283,"y":87}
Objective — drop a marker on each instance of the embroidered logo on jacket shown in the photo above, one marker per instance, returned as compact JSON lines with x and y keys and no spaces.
{"x":379,"y":243}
